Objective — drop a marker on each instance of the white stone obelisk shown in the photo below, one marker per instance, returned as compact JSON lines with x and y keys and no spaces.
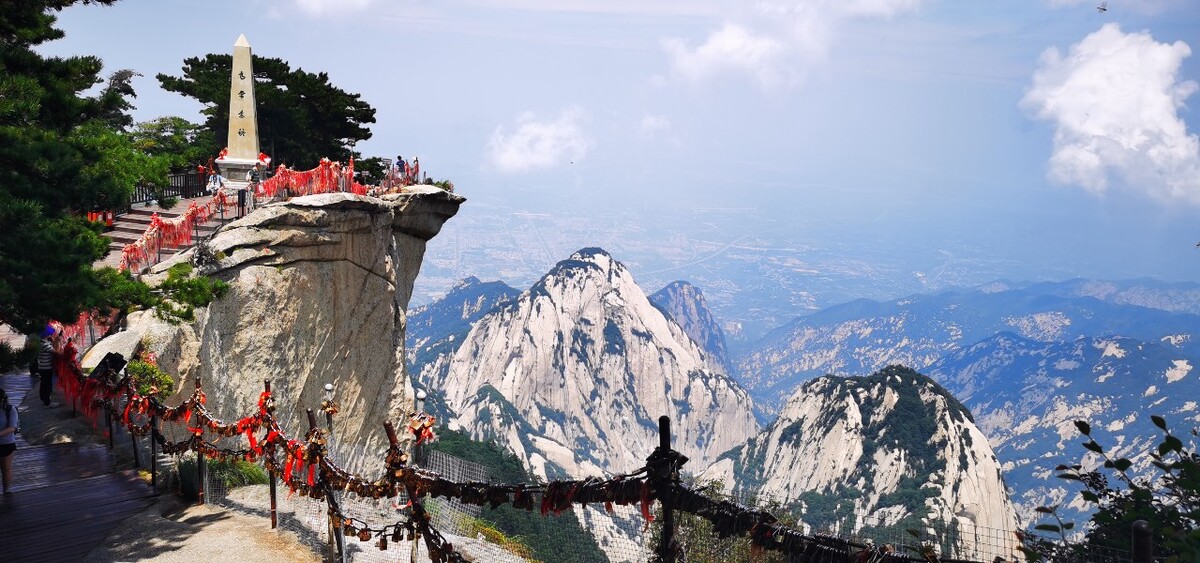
{"x":242,"y":145}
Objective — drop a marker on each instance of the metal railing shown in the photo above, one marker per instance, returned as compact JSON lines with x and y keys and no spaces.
{"x":185,"y":185}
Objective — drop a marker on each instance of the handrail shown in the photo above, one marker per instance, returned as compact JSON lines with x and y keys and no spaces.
{"x":307,"y":468}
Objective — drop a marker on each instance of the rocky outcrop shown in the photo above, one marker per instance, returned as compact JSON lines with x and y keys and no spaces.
{"x":319,"y":292}
{"x":573,"y":375}
{"x":685,"y":304}
{"x":893,"y":449}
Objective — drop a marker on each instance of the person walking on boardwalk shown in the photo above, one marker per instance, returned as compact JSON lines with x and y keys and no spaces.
{"x":8,"y":438}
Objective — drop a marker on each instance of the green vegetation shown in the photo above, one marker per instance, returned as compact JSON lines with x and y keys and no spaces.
{"x":11,"y":359}
{"x":614,"y":342}
{"x":229,"y":473}
{"x":549,"y":538}
{"x":443,"y":184}
{"x":476,"y":527}
{"x":62,"y":154}
{"x":180,"y":143}
{"x":1169,"y":501}
{"x":699,"y":542}
{"x":167,"y":202}
{"x":181,"y":293}
{"x":147,"y":377}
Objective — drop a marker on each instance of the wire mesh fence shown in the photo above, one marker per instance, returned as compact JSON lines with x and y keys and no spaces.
{"x":581,"y":534}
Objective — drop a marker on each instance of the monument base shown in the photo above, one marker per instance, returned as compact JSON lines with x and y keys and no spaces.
{"x":235,"y":169}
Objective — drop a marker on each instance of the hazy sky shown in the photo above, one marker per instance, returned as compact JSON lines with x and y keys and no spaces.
{"x":1054,"y":137}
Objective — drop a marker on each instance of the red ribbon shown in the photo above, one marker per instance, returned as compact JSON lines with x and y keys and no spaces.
{"x":646,"y":501}
{"x":287,"y":469}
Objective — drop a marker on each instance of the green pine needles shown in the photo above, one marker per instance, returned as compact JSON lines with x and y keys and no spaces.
{"x":182,"y":293}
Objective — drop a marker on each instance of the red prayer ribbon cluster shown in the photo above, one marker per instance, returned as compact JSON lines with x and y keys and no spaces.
{"x":327,"y":177}
{"x":170,"y":233}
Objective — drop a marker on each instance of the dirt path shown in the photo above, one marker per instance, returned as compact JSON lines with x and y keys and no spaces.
{"x":171,"y":531}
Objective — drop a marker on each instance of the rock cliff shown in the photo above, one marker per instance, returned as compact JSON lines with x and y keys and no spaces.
{"x":320,"y":287}
{"x":685,"y":304}
{"x":892,"y":449}
{"x":573,"y":375}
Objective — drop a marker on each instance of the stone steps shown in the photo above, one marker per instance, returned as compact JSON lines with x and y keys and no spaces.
{"x":130,"y":226}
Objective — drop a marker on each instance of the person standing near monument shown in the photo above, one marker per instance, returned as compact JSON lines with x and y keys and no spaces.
{"x":254,"y":177}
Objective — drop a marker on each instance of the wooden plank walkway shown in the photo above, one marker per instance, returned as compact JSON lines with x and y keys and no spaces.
{"x":67,"y":498}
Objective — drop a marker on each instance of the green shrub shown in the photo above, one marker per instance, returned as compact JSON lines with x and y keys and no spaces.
{"x":146,"y":375}
{"x":118,"y":290}
{"x":1169,"y":499}
{"x":232,"y":474}
{"x":181,"y":293}
{"x":167,"y":202}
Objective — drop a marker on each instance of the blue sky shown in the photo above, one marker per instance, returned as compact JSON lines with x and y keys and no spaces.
{"x":1043,"y":134}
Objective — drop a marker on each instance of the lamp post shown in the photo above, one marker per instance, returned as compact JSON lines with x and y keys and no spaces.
{"x":420,"y":411}
{"x":335,"y":528}
{"x":329,"y":412}
{"x":420,"y":405}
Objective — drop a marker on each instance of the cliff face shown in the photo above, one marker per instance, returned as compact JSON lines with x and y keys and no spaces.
{"x":685,"y":304}
{"x":895,"y":443}
{"x":319,"y":294}
{"x":573,"y":375}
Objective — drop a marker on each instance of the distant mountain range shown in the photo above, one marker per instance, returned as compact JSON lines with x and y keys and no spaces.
{"x":863,"y":336}
{"x":1026,"y":396}
{"x":572,"y":374}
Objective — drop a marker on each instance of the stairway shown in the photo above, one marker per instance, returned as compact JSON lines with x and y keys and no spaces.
{"x":129,"y":227}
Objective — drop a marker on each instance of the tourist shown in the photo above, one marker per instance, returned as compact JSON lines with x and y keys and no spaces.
{"x":8,"y":439}
{"x":254,"y":177}
{"x":416,"y":170}
{"x":46,"y":357}
{"x":216,"y":183}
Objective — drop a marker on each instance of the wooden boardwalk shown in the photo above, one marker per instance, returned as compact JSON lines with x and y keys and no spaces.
{"x":67,"y":498}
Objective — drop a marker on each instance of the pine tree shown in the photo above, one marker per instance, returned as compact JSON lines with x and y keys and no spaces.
{"x":61,"y":155}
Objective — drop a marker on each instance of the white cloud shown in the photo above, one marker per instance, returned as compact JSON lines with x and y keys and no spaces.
{"x":730,"y":48}
{"x":652,"y":126}
{"x":1114,"y":100}
{"x":331,"y":7}
{"x":535,"y":144}
{"x":774,"y":40}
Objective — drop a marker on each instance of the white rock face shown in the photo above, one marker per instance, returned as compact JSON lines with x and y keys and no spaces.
{"x":897,"y":439}
{"x":573,"y":376}
{"x":319,"y":291}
